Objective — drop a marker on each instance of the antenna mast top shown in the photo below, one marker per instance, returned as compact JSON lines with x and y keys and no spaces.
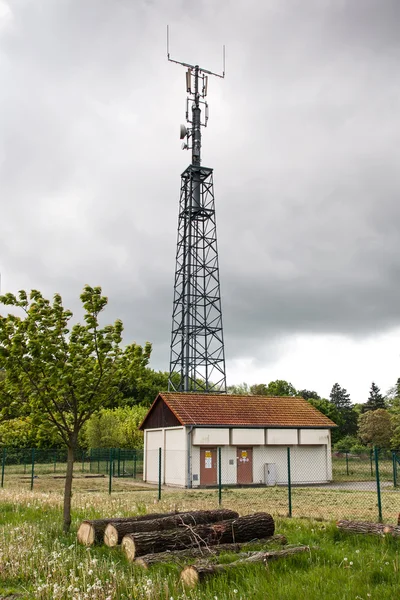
{"x":195,"y":75}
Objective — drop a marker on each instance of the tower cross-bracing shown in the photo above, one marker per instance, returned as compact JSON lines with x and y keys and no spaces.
{"x":197,"y":359}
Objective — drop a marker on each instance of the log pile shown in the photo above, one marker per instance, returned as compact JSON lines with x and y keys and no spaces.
{"x":181,"y":537}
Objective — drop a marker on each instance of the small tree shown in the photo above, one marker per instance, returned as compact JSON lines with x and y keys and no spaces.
{"x":375,"y":428}
{"x":66,"y":374}
{"x":375,"y":399}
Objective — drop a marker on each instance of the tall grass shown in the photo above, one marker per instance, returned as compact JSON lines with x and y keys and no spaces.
{"x":38,"y":561}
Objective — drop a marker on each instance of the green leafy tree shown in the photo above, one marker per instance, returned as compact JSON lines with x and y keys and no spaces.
{"x":308,"y":395}
{"x":115,"y":428}
{"x":392,"y":398}
{"x":375,"y":428}
{"x":28,"y":432}
{"x":280,"y":387}
{"x":350,"y":443}
{"x":259,"y":389}
{"x":65,"y":373}
{"x":240,"y":388}
{"x":395,"y":439}
{"x":375,"y":399}
{"x":143,"y":388}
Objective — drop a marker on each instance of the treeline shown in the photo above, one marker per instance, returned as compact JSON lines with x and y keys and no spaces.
{"x":359,"y":426}
{"x":116,"y":427}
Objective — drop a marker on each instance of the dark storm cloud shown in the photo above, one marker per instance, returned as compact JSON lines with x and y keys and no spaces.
{"x":303,"y":137}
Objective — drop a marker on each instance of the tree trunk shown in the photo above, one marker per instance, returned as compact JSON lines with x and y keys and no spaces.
{"x":242,"y":529}
{"x":68,"y":488}
{"x":194,"y":574}
{"x":91,"y":532}
{"x":372,"y":528}
{"x":115,"y":532}
{"x":148,"y":560}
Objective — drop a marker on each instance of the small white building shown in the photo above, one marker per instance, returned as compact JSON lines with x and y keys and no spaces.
{"x":183,"y":433}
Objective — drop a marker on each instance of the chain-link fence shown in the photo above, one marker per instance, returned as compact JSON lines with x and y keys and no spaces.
{"x":285,"y":481}
{"x":21,"y":466}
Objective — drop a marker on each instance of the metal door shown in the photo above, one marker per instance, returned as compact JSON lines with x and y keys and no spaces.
{"x":244,"y":465}
{"x":208,"y":466}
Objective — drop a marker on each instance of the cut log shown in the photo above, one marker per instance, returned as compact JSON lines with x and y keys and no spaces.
{"x":194,"y":574}
{"x":369,"y":528}
{"x":149,"y":560}
{"x":242,"y":529}
{"x":92,"y":531}
{"x":115,"y":532}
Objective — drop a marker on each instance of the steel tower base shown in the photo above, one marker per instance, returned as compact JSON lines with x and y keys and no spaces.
{"x":197,"y":361}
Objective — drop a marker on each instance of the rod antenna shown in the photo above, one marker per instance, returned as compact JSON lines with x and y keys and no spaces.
{"x":197,"y":88}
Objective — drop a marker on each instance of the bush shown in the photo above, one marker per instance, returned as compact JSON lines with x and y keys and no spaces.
{"x":117,"y":428}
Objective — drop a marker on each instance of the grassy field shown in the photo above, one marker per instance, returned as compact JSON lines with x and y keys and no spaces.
{"x":38,"y":561}
{"x":337,"y":502}
{"x":360,"y":468}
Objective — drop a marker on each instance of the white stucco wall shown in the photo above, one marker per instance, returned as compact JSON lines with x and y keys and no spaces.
{"x":280,"y":437}
{"x":175,"y":444}
{"x":228,"y":465}
{"x":210,"y":436}
{"x":314,"y":436}
{"x":154,"y":439}
{"x":247,"y":437}
{"x":272,"y":454}
{"x":309,"y":464}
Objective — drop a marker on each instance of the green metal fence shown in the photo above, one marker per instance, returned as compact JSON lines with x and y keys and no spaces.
{"x":363,"y":487}
{"x":19,"y":464}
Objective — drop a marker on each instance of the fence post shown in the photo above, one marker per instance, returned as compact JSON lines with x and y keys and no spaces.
{"x":90,"y":460}
{"x":110,"y":471}
{"x":33,"y":468}
{"x":134,"y":464}
{"x":3,"y":464}
{"x":347,"y":462}
{"x":394,"y":459}
{"x":159,"y":473}
{"x":219,"y":477}
{"x":289,"y":482}
{"x":378,"y":484}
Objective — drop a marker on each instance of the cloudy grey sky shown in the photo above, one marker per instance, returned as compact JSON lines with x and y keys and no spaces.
{"x":303,"y":136}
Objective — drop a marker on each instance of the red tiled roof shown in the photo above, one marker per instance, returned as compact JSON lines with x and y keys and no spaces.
{"x":234,"y":410}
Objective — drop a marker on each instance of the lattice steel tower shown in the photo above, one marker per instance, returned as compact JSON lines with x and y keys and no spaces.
{"x":197,"y":360}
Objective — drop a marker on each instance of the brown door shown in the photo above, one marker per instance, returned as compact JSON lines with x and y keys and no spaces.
{"x":208,"y":466}
{"x":244,"y":465}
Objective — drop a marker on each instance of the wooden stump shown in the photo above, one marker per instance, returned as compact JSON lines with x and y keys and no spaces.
{"x":242,"y":529}
{"x":115,"y":532}
{"x":92,"y":531}
{"x":149,"y":560}
{"x":194,"y":574}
